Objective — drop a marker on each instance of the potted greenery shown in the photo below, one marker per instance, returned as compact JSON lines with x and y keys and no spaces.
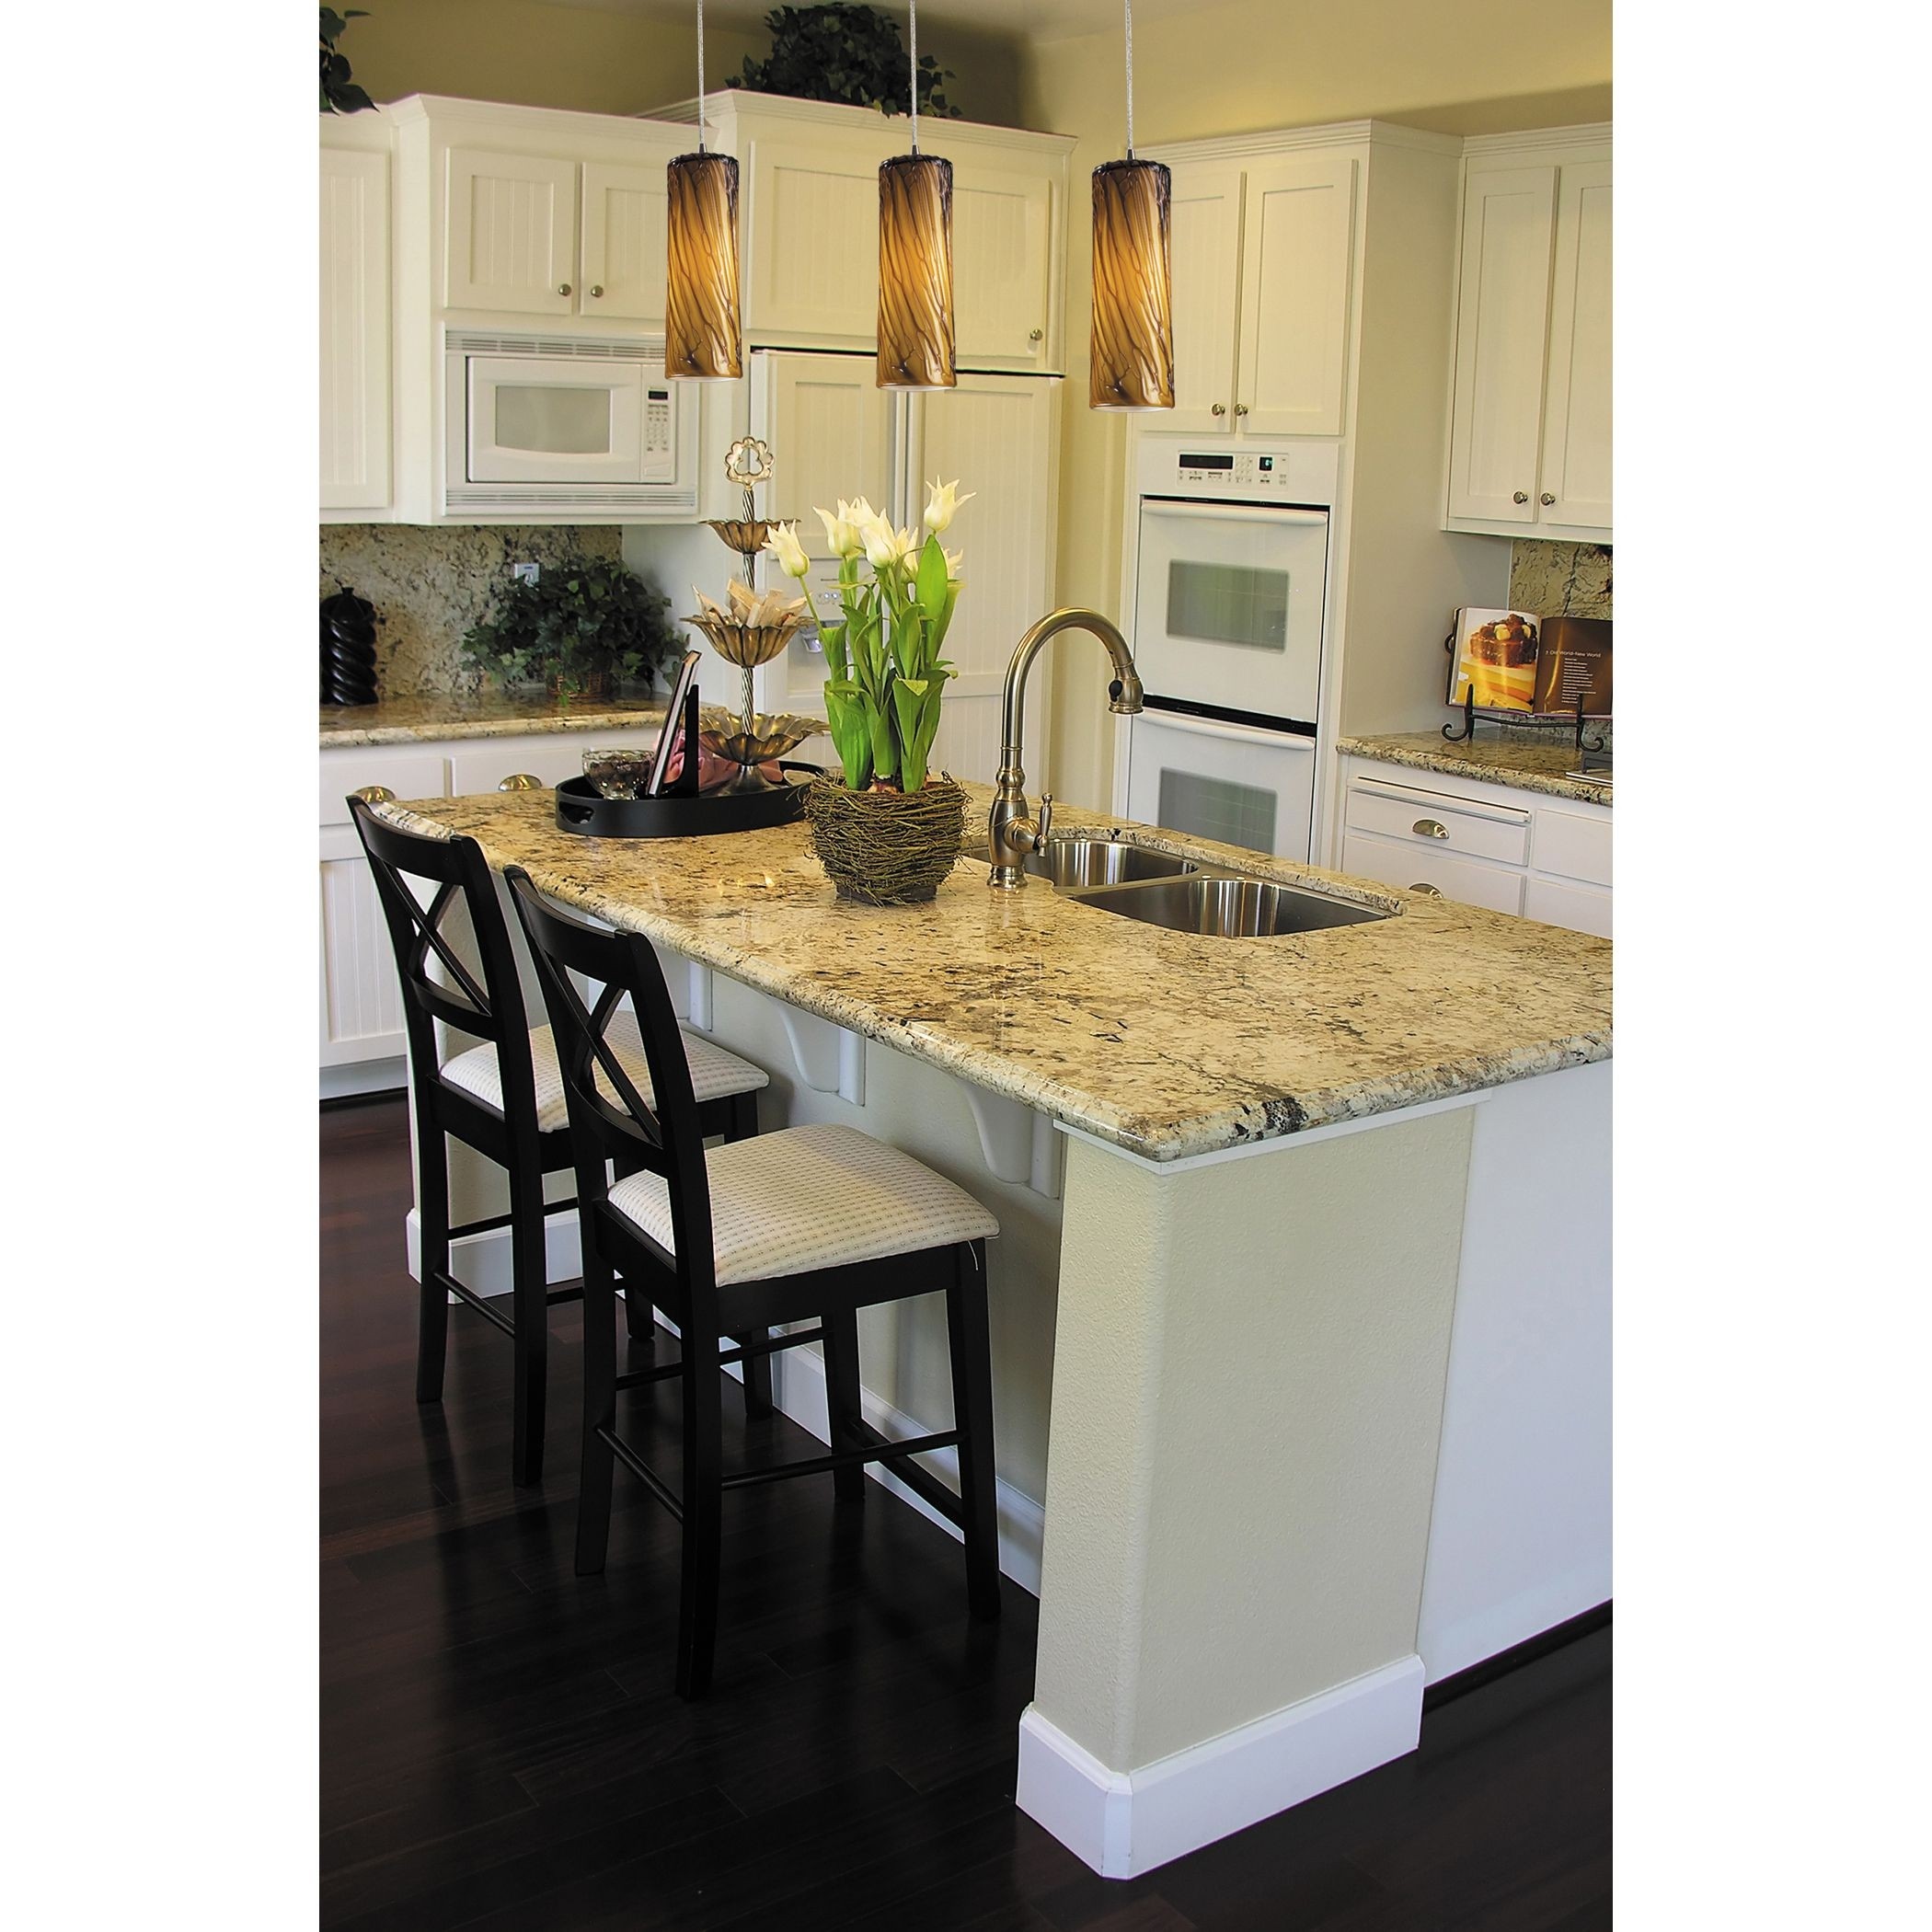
{"x":852,"y":54}
{"x":886,"y":829}
{"x":577,"y":628}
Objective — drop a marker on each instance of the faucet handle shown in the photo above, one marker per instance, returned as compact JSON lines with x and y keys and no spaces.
{"x":1043,"y":827}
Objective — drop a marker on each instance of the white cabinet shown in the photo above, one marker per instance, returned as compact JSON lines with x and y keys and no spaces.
{"x":1487,"y":844}
{"x":812,"y":250}
{"x":540,"y":235}
{"x":1262,"y":261}
{"x":998,"y":436}
{"x":354,"y":332}
{"x":1529,"y":440}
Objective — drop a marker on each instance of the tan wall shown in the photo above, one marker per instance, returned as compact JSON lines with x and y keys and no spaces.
{"x":1478,"y":66}
{"x":604,"y":63}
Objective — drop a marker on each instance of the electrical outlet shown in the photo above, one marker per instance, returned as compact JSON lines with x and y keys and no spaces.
{"x":525,"y":572}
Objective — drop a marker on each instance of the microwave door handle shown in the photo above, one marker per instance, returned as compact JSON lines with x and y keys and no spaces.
{"x":1233,"y":512}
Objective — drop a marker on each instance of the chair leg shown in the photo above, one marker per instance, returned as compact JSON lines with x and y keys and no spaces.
{"x":757,"y":1376}
{"x":532,"y":1317}
{"x":640,"y":1324}
{"x":972,"y":1355}
{"x":432,"y":1217}
{"x":702,"y":1500}
{"x":600,"y":1409}
{"x":843,"y":1406}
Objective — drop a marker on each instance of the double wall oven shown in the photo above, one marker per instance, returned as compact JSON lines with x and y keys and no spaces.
{"x":1227,"y":615}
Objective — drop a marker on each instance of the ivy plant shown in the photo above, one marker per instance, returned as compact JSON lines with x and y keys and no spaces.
{"x":851,"y":54}
{"x":340,"y":94}
{"x":584,"y":619}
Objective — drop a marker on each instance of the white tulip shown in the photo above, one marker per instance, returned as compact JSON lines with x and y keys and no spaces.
{"x":942,"y":503}
{"x":887,"y":548}
{"x":782,"y":541}
{"x":842,"y":532}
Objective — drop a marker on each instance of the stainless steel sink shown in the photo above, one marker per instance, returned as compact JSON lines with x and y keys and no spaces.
{"x":1230,"y":908}
{"x":1074,"y":863}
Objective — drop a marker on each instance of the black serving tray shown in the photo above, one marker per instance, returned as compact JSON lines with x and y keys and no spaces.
{"x":582,"y":809}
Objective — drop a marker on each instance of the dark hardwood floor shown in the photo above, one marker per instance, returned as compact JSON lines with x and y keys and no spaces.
{"x":501,"y":1747}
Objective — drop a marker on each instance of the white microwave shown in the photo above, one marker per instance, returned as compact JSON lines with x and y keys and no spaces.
{"x":587,"y":424}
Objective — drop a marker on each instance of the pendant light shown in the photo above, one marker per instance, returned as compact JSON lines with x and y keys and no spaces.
{"x":1132,"y":351}
{"x":702,"y":340}
{"x":915,"y":341}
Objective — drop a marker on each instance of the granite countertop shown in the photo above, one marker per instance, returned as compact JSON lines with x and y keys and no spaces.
{"x":1530,"y":764}
{"x":1164,"y":1043}
{"x":403,"y":720}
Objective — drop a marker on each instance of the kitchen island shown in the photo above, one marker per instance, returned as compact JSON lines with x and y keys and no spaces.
{"x":1300,"y":1349}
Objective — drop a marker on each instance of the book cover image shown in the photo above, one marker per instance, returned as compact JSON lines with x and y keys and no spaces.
{"x":1573,"y":666}
{"x":1495,"y":660}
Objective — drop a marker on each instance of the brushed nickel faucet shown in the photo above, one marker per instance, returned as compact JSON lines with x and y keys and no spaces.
{"x":1010,"y":833}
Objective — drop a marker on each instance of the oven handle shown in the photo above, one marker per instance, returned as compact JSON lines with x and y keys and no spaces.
{"x":1233,"y":512}
{"x":1215,"y":728}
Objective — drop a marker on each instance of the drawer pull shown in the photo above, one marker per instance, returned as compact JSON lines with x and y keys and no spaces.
{"x":373,"y":795}
{"x":1428,"y":892}
{"x":520,"y":781}
{"x":1429,"y":828}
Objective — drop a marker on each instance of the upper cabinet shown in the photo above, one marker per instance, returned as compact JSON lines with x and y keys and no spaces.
{"x":354,"y":332}
{"x":1262,"y":258}
{"x":1529,"y":435}
{"x":809,"y":184}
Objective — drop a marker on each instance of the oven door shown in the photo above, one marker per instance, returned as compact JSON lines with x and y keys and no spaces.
{"x":1229,"y":782}
{"x":561,"y":421}
{"x":1229,"y":607}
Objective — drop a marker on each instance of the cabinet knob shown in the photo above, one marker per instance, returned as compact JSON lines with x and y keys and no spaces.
{"x":1545,"y":499}
{"x":1240,"y":408}
{"x":596,"y":288}
{"x":1219,"y":409}
{"x":1427,"y":892}
{"x":520,"y":781}
{"x":563,"y":288}
{"x":1429,"y":828}
{"x":374,"y":794}
{"x":1036,"y":335}
{"x":1521,"y":496}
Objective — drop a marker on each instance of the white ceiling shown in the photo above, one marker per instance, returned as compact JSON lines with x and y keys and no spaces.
{"x":1043,"y":19}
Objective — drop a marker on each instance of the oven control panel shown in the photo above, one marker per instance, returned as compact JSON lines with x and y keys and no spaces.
{"x":1302,"y":472}
{"x":1244,"y":473}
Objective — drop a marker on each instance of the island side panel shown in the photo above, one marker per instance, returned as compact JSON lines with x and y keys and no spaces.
{"x":1247,"y":1391}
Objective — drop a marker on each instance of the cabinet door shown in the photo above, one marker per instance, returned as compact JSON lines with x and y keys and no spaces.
{"x":1584,"y":909}
{"x":1501,"y":329}
{"x":812,"y":227}
{"x":355,"y":330}
{"x":1002,"y":250}
{"x":1575,"y":471}
{"x":509,"y":239}
{"x":1411,"y":869}
{"x":624,"y":242}
{"x":1206,"y":239}
{"x":1297,"y":244}
{"x":998,"y":436}
{"x":361,"y":1004}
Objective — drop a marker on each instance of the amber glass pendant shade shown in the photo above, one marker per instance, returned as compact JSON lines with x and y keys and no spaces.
{"x":702,"y":339}
{"x":916,"y":340}
{"x":1132,"y":346}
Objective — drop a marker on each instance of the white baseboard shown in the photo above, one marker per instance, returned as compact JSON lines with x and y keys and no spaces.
{"x":481,"y":1263}
{"x":1126,"y":1823}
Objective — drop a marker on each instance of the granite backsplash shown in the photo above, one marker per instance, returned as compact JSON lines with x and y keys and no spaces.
{"x":430,"y":584}
{"x":1560,"y":580}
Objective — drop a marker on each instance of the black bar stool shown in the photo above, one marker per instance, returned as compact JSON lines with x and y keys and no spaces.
{"x":509,"y":1106}
{"x":805,"y":1223}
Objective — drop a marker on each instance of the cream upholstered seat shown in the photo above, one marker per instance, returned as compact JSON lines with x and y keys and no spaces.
{"x":811,"y":1197}
{"x":713,"y":1072}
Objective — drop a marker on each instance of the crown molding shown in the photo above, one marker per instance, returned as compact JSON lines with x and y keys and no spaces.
{"x":731,"y":102}
{"x":416,"y":107}
{"x":1539,"y":140}
{"x":1331,"y":135}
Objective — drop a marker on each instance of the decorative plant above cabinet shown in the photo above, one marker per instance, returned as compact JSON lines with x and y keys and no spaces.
{"x":851,"y":54}
{"x":340,"y":94}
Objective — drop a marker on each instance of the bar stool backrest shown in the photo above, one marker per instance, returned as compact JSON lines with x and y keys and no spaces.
{"x":663,"y":1139}
{"x":489,"y":1006}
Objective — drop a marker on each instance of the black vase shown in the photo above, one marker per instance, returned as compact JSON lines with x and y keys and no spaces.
{"x":348,"y":649}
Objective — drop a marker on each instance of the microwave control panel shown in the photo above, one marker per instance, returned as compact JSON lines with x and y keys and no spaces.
{"x":1241,"y":473}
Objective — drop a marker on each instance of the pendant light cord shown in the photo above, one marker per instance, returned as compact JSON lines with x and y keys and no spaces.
{"x":912,"y":7}
{"x":701,"y":84}
{"x":1130,"y":76}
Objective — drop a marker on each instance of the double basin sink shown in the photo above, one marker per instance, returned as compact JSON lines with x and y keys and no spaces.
{"x":1186,"y":896}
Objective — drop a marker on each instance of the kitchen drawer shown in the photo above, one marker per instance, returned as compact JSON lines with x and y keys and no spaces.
{"x":1584,"y":909}
{"x":1420,"y":864}
{"x":1577,"y":846}
{"x":1434,"y":820}
{"x":403,"y":769}
{"x":558,"y":754}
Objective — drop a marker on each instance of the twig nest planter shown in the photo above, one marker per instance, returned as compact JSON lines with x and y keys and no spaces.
{"x":887,"y":847}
